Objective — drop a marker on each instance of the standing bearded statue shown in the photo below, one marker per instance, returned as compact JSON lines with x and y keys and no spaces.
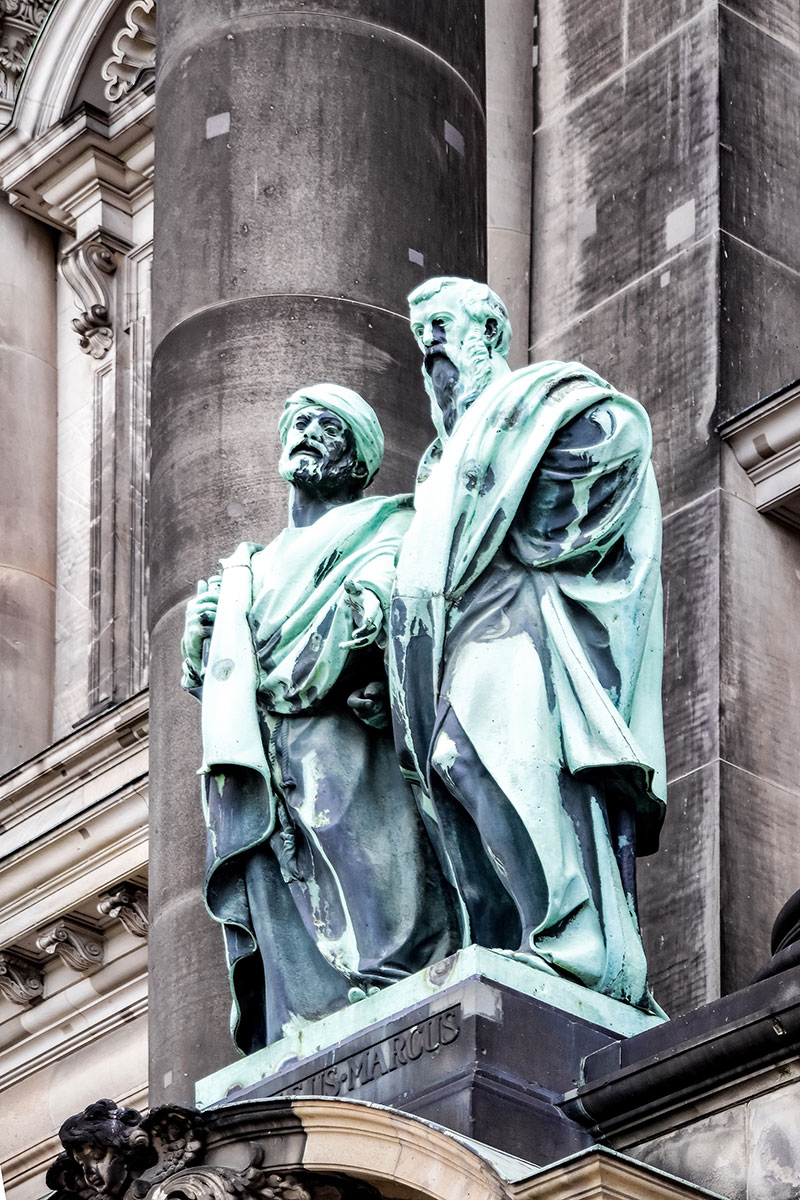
{"x":318,"y":866}
{"x":526,"y":647}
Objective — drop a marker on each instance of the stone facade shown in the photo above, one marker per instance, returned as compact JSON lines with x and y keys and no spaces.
{"x":641,"y":215}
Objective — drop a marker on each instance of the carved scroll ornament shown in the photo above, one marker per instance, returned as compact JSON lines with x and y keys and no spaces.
{"x":78,"y":947}
{"x":134,"y":50}
{"x":21,"y":982}
{"x":88,"y":269}
{"x":127,"y":903}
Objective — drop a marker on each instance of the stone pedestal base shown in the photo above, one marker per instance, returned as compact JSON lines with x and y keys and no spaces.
{"x":479,"y":1043}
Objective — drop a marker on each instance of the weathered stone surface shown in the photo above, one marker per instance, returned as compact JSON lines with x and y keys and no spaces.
{"x":291,"y":210}
{"x":679,"y":896}
{"x":760,"y":657}
{"x":778,"y":17}
{"x":196,"y":981}
{"x":760,"y":149}
{"x":773,"y":1148}
{"x":610,"y":175}
{"x":759,"y":818}
{"x":27,"y":484}
{"x":691,"y":658}
{"x":760,"y":299}
{"x":711,"y":1152}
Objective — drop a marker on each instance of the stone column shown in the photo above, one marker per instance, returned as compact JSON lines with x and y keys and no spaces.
{"x":27,"y":484}
{"x":509,"y":160}
{"x":312,"y":167}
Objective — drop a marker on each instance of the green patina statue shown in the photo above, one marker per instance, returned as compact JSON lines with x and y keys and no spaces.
{"x":517,"y":609}
{"x":526,"y":646}
{"x":319,"y":867}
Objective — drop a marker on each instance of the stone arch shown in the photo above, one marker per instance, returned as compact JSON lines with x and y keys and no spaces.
{"x":403,"y":1157}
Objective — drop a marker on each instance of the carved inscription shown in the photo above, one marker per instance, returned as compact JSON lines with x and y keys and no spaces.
{"x":351,"y":1073}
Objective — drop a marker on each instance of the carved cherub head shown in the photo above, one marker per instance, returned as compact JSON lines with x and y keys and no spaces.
{"x":105,"y":1147}
{"x":463,"y":331}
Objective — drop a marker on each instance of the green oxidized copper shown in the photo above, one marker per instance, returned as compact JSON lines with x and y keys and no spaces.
{"x":526,"y":649}
{"x":318,"y":866}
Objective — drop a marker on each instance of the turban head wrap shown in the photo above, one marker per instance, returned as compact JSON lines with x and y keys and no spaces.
{"x":357,"y":415}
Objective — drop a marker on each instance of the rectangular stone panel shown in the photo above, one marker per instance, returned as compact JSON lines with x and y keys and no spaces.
{"x":626,"y":179}
{"x":691,"y":576}
{"x":656,"y":340}
{"x":773,"y":1167}
{"x":711,"y":1152}
{"x":759,"y":835}
{"x":760,"y":146}
{"x":679,"y":896}
{"x":759,"y":330}
{"x":648,"y":23}
{"x":759,"y":646}
{"x":779,"y":17}
{"x":580,"y":43}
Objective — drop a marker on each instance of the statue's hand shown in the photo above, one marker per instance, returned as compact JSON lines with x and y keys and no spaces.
{"x":371,"y":704}
{"x":367,"y":615}
{"x":201,"y":612}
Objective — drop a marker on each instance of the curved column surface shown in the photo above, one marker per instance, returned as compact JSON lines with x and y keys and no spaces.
{"x":312,"y":168}
{"x":27,"y":484}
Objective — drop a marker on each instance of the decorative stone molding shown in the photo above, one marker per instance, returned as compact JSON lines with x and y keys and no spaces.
{"x":134,"y":50}
{"x":223,"y":1183}
{"x":766,"y":441}
{"x":127,"y":903}
{"x":80,"y":948}
{"x":88,"y":268}
{"x":20,"y":21}
{"x":21,"y":981}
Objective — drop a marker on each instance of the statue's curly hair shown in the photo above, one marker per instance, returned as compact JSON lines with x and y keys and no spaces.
{"x":477,"y":298}
{"x":104,"y":1123}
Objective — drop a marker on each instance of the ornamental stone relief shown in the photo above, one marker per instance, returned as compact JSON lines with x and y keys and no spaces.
{"x":134,"y":50}
{"x":20,"y":21}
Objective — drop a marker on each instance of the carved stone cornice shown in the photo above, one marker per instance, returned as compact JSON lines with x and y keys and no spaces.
{"x":766,"y":441}
{"x":133,"y":50}
{"x":88,"y":269}
{"x":21,"y":981}
{"x":80,"y":948}
{"x":128,"y":904}
{"x":20,"y":21}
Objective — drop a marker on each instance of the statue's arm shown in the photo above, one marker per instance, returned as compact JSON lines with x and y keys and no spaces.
{"x":583,"y":494}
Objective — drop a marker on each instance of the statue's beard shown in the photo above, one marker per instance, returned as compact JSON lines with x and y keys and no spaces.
{"x":455,"y":376}
{"x":333,"y":481}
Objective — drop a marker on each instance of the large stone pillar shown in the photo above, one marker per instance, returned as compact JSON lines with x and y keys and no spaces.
{"x":665,"y":254}
{"x":27,"y":484}
{"x":510,"y":55}
{"x":312,"y":167}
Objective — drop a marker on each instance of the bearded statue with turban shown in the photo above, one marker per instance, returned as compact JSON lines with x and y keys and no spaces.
{"x":318,"y":865}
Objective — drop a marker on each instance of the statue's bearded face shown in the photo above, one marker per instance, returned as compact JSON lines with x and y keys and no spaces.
{"x":319,"y":455}
{"x":457,"y":349}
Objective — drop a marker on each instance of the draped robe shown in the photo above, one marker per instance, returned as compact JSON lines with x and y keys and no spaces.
{"x":525,"y":667}
{"x":318,"y":865}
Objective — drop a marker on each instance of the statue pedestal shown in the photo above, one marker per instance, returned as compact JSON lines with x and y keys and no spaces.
{"x":479,"y":1043}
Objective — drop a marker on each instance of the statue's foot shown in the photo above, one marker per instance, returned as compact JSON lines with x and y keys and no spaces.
{"x":356,"y":993}
{"x":531,"y":958}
